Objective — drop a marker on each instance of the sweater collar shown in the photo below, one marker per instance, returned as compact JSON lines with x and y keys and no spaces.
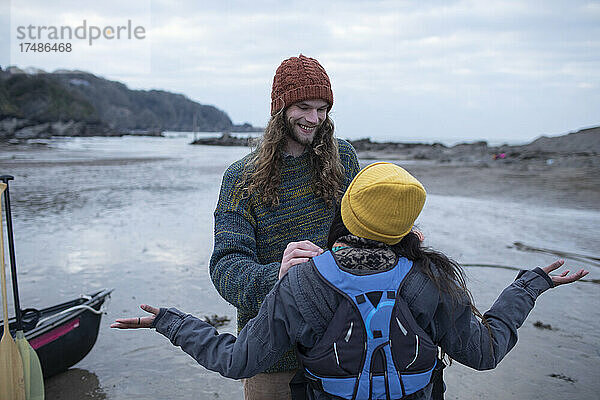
{"x":288,"y":155}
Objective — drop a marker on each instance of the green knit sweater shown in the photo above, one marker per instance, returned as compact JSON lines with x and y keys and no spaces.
{"x":250,"y":238}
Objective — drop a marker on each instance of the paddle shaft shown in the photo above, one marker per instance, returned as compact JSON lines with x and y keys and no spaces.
{"x":3,"y":272}
{"x":11,"y":252}
{"x":11,"y":374}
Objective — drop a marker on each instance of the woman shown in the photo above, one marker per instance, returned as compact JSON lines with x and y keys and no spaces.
{"x":347,"y":310}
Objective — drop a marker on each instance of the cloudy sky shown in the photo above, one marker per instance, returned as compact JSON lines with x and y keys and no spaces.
{"x":401,"y":70}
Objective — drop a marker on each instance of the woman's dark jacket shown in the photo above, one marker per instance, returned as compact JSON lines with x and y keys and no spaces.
{"x":301,"y":305}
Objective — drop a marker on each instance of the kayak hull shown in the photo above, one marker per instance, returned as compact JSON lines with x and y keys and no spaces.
{"x":62,"y":335}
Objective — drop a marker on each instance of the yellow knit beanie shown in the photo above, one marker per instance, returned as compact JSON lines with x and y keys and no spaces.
{"x":382,"y":203}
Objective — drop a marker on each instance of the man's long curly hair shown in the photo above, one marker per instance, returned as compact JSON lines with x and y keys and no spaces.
{"x":262,"y":175}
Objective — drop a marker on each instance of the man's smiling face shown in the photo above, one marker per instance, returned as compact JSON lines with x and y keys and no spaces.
{"x":304,"y":119}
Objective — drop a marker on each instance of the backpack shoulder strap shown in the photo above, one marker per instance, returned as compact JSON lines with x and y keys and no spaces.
{"x":353,"y":285}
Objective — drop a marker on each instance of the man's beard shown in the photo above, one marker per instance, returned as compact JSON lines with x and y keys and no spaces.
{"x":303,"y":140}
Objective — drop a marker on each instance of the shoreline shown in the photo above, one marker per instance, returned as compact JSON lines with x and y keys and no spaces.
{"x":569,"y":180}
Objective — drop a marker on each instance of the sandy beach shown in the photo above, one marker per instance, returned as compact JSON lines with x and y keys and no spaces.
{"x":492,"y":216}
{"x":537,"y":185}
{"x":560,"y":171}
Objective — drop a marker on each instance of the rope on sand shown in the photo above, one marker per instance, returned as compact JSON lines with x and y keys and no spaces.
{"x":596,"y":281}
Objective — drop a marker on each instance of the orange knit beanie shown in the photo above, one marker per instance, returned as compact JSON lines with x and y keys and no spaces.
{"x":299,"y":78}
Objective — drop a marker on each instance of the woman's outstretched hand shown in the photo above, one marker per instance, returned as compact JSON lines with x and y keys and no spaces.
{"x":137,"y":322}
{"x":564,"y":277}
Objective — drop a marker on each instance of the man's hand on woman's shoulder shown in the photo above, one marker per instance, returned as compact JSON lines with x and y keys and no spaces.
{"x":296,"y":253}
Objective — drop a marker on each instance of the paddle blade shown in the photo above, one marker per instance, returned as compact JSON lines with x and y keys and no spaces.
{"x":12,"y":385}
{"x":32,"y":369}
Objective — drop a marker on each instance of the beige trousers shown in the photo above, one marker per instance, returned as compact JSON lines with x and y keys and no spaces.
{"x":273,"y":386}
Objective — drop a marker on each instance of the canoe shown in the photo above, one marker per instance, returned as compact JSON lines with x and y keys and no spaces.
{"x":62,"y":335}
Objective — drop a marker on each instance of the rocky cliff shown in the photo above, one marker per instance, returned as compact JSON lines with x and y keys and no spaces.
{"x":74,"y":103}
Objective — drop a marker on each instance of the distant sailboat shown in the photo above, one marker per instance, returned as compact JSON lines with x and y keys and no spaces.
{"x":195,"y":126}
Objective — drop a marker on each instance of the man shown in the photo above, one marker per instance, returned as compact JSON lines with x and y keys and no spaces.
{"x":276,"y":204}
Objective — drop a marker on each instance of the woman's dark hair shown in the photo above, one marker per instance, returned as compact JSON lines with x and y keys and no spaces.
{"x":337,"y":229}
{"x":445,"y":273}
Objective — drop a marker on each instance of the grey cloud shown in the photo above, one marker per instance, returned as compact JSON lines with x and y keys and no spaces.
{"x":508,"y":60}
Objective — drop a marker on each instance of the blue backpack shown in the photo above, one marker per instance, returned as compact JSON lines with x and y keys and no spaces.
{"x":373,"y":347}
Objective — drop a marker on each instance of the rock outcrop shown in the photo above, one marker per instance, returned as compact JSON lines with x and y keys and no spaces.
{"x":579,"y":148}
{"x":225,"y":140}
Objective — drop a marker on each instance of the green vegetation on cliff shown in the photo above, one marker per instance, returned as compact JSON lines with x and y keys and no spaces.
{"x":83,"y":97}
{"x":41,"y":99}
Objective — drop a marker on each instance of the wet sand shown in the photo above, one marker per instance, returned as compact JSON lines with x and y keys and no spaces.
{"x":74,"y":384}
{"x":136,"y":214}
